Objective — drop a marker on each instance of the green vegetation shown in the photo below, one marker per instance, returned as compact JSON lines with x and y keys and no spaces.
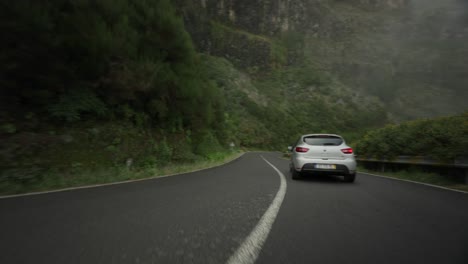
{"x":271,"y":110}
{"x":106,"y":60}
{"x":78,"y":176}
{"x":86,"y":85}
{"x":442,"y":138}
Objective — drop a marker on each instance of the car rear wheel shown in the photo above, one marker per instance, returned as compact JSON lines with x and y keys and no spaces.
{"x":295,"y":174}
{"x":350,"y":178}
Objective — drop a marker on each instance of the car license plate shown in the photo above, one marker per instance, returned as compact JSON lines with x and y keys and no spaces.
{"x":325,"y":166}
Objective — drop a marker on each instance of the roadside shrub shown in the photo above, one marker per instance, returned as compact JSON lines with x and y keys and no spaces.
{"x":74,"y":103}
{"x":441,"y":138}
{"x":163,"y":152}
{"x":207,"y":145}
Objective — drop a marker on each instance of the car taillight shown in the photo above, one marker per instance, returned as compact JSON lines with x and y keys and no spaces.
{"x":302,"y":150}
{"x":347,"y":151}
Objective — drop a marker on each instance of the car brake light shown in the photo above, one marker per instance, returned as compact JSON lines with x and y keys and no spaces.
{"x":347,"y":151}
{"x":302,"y":150}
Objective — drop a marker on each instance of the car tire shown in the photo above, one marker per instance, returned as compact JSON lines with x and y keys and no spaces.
{"x":295,"y":174}
{"x":350,"y":177}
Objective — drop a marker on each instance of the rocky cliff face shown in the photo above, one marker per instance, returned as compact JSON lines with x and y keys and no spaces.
{"x":388,"y":4}
{"x":250,"y":33}
{"x":272,"y":17}
{"x":258,"y":17}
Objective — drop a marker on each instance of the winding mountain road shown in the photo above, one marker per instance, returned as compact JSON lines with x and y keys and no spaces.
{"x":247,"y":211}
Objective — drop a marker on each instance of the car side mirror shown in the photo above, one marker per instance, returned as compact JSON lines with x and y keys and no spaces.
{"x":290,"y":148}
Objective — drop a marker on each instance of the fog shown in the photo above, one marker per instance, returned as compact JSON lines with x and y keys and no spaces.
{"x":410,"y":54}
{"x":428,"y":46}
{"x":451,"y":14}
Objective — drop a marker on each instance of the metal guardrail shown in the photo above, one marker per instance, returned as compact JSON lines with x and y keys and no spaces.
{"x":458,"y":163}
{"x":420,"y":160}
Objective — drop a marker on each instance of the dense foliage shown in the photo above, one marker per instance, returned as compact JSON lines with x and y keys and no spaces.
{"x":272,"y":110}
{"x":443,"y":138}
{"x":107,"y":59}
{"x":114,"y":78}
{"x":93,"y":84}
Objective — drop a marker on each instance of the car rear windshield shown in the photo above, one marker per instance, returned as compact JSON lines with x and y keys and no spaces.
{"x":323,"y":140}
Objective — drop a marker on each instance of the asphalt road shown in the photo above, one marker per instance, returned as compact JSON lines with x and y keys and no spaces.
{"x":204,"y":217}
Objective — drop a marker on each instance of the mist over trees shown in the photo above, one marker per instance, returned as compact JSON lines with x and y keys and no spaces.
{"x":427,"y":48}
{"x":412,"y":56}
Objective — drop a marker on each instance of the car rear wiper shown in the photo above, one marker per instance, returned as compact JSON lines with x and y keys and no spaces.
{"x":329,"y":144}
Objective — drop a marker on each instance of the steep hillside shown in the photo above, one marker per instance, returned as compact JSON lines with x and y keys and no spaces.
{"x":293,"y":94}
{"x":271,"y":110}
{"x":92,"y":84}
{"x":408,"y":53}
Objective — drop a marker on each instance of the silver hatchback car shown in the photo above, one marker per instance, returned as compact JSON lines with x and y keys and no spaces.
{"x":322,"y":154}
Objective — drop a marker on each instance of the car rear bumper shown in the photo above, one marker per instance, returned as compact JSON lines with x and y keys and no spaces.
{"x":343,"y":167}
{"x":340,"y":169}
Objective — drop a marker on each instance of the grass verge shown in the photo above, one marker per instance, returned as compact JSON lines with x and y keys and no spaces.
{"x":55,"y":180}
{"x":420,"y":176}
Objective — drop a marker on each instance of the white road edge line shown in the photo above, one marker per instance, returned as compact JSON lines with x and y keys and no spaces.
{"x":248,"y":251}
{"x":422,"y":183}
{"x":117,"y":183}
